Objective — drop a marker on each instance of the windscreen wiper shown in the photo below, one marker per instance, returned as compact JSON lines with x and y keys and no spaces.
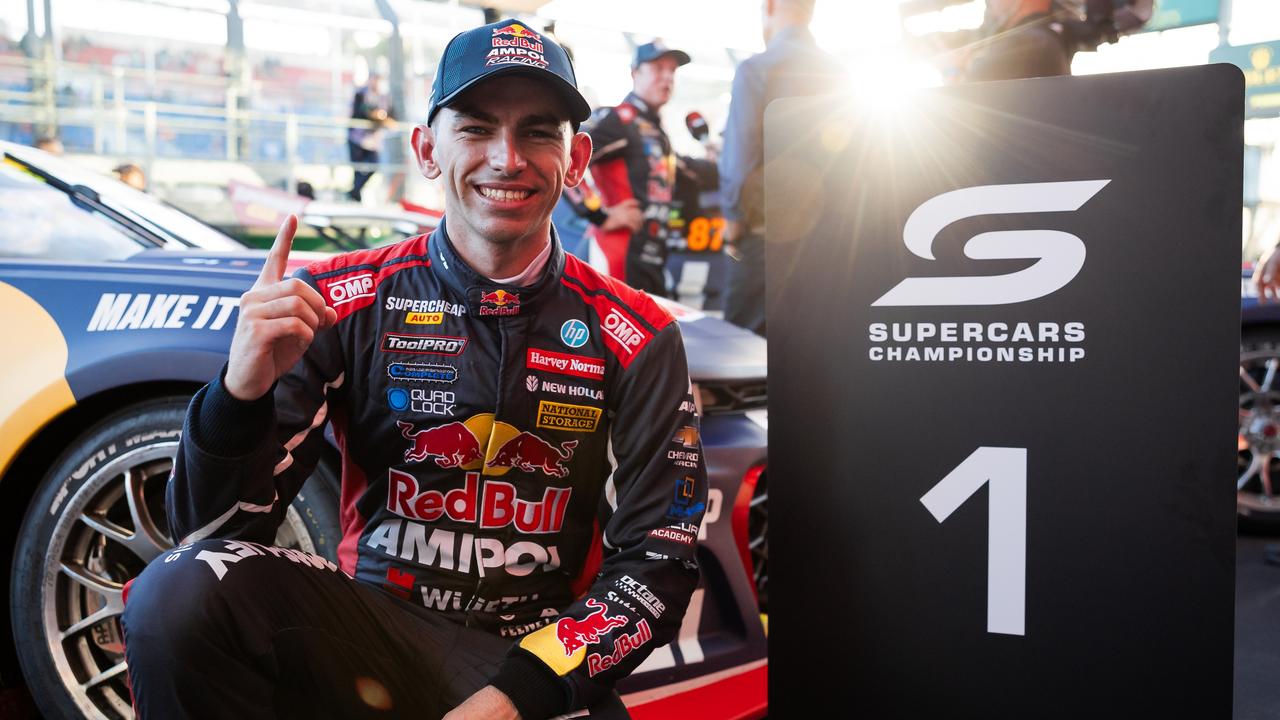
{"x":87,"y":198}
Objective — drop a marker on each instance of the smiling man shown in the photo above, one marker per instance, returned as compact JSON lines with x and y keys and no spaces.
{"x":516,"y":534}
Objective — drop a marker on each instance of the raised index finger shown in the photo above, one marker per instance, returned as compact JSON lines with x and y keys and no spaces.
{"x":278,"y":257}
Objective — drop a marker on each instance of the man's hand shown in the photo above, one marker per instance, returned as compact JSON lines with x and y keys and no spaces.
{"x":625,"y":214}
{"x":733,"y":232}
{"x":1266,"y":276}
{"x":278,"y":320}
{"x":488,"y":703}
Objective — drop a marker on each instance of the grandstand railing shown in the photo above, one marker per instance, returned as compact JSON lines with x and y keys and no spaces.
{"x":144,"y":115}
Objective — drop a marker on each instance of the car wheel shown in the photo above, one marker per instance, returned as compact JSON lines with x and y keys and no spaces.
{"x":1258,"y":442}
{"x":96,"y":519}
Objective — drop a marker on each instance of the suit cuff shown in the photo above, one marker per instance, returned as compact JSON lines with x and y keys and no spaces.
{"x":533,"y":687}
{"x":229,"y":427}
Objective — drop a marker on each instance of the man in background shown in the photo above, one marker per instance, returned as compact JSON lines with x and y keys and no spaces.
{"x":791,"y":65}
{"x":364,"y":143}
{"x":634,"y":170}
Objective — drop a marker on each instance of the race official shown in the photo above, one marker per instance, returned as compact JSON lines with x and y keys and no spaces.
{"x":634,"y":171}
{"x":791,"y":65}
{"x":519,"y":501}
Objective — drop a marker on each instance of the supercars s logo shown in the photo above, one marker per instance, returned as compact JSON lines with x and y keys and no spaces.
{"x":1059,"y":255}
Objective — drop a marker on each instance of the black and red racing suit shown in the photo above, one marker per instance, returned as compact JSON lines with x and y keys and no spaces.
{"x":631,"y":158}
{"x":524,"y":460}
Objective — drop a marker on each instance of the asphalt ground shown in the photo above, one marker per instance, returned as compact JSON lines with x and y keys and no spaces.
{"x":1257,"y":671}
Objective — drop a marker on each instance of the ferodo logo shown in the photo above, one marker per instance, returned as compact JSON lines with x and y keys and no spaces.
{"x":1059,"y":255}
{"x":492,"y":505}
{"x":627,"y":334}
{"x":349,"y":289}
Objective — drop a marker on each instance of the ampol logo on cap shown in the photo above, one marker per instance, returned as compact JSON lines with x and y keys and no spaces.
{"x":574,"y":333}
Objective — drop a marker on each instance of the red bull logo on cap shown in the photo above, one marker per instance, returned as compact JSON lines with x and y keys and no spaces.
{"x":575,"y":634}
{"x":516,"y":30}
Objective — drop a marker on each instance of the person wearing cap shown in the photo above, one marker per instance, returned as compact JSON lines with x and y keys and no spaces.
{"x":520,"y":495}
{"x":791,"y":65}
{"x":634,"y":172}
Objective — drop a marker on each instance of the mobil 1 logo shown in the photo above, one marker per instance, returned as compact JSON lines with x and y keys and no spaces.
{"x":1014,"y":306}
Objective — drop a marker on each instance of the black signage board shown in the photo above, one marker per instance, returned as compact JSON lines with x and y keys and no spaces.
{"x":1003,"y":347}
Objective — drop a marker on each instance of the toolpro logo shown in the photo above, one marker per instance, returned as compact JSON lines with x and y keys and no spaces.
{"x":458,"y":445}
{"x":423,"y":344}
{"x":1059,"y":255}
{"x":575,"y":634}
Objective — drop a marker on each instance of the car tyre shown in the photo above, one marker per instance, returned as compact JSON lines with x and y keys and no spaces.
{"x":95,"y":520}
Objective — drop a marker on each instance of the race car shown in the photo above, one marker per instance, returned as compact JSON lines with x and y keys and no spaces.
{"x":118,"y":310}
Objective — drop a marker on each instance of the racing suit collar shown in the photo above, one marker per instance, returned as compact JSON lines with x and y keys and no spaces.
{"x":483,"y":297}
{"x":639,"y":104}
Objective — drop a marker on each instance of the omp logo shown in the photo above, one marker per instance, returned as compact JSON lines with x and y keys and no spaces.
{"x":352,"y":288}
{"x":623,"y":330}
{"x":1059,"y":255}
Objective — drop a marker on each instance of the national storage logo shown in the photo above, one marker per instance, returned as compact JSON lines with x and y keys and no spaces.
{"x":563,"y":416}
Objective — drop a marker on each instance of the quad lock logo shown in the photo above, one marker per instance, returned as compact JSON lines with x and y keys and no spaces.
{"x":1059,"y":256}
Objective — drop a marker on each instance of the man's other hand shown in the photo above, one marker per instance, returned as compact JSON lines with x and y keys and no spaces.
{"x":278,"y":320}
{"x":625,"y":215}
{"x":1266,"y":276}
{"x":488,"y":703}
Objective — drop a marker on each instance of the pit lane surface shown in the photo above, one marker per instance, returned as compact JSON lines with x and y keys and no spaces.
{"x":1257,"y":630}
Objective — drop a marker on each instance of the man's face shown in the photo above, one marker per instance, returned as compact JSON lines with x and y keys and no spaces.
{"x":655,"y":80}
{"x":504,"y":151}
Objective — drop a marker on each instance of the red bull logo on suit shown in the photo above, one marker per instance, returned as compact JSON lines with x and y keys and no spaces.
{"x":574,"y":634}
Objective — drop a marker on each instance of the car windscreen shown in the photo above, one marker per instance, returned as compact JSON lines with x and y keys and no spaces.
{"x":39,"y":222}
{"x":154,"y":215}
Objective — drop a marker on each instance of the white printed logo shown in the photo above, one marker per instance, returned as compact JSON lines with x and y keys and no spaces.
{"x":352,"y":288}
{"x":1059,"y":255}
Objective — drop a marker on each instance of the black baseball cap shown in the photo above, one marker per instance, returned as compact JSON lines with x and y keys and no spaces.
{"x":651,"y":51}
{"x":507,"y":47}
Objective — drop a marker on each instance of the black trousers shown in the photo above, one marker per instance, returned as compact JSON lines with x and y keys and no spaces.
{"x":744,"y":294}
{"x":360,"y":155}
{"x":230,"y":629}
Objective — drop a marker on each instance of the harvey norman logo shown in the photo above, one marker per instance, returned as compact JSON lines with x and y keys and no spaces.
{"x":1059,"y":257}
